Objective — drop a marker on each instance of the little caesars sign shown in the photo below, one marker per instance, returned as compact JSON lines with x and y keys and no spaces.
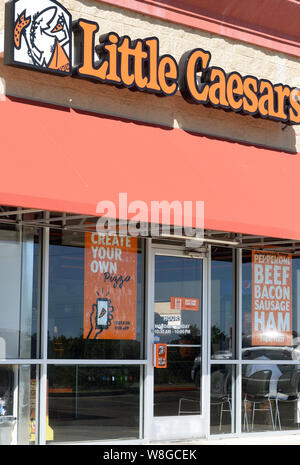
{"x":41,"y":35}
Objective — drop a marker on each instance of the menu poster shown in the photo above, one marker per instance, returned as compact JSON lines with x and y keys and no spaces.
{"x":271,"y":299}
{"x":110,"y":287}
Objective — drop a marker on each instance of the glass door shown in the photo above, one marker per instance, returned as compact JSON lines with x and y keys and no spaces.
{"x":177,"y":321}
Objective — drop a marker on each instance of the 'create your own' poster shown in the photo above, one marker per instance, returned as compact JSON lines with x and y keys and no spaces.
{"x":110,"y":287}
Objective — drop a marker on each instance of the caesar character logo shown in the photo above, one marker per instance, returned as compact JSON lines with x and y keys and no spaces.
{"x":39,"y":35}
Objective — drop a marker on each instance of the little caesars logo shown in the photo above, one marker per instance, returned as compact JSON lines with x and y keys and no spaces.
{"x":38,"y":35}
{"x":42,"y":35}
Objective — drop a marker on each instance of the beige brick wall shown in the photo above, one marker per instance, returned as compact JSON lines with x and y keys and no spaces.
{"x":171,"y":111}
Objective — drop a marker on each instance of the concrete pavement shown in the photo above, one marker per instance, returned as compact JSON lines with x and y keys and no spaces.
{"x":282,"y":439}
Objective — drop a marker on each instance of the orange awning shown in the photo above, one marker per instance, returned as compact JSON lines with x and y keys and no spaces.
{"x":59,"y":159}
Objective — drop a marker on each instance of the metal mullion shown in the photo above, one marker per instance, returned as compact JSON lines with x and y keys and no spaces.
{"x":19,"y":212}
{"x":45,"y":295}
{"x":143,"y":310}
{"x":184,"y":345}
{"x":270,"y":362}
{"x":44,"y":335}
{"x":39,"y":296}
{"x":149,"y":372}
{"x":207,"y":343}
{"x":238,"y":345}
{"x":95,"y":362}
{"x":19,"y":361}
{"x":229,"y":361}
{"x":141,"y":404}
{"x":20,"y":240}
{"x":254,"y":362}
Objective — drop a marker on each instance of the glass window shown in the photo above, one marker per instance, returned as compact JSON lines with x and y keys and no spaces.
{"x":19,"y":305}
{"x":246,"y":301}
{"x":18,"y":405}
{"x":178,"y":300}
{"x":222,"y":303}
{"x":95,"y":297}
{"x":296,"y":307}
{"x":221,"y":399}
{"x":177,"y":388}
{"x":177,"y":323}
{"x":93,"y":403}
{"x":270,"y":304}
{"x":270,"y":332}
{"x":270,"y":395}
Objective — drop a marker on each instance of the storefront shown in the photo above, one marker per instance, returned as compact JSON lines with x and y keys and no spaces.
{"x":145,"y":336}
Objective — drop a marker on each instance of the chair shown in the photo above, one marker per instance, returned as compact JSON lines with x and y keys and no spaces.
{"x":287,"y":390}
{"x":221,"y":393}
{"x":190,"y":402}
{"x":257,"y":392}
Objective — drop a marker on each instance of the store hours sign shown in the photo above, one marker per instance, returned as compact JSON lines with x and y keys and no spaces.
{"x":40,"y":35}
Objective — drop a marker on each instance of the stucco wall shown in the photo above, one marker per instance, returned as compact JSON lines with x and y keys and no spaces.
{"x":169,"y":111}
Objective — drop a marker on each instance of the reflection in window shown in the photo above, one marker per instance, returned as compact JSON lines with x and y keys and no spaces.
{"x":93,"y":403}
{"x":95,"y":297}
{"x":221,"y":399}
{"x":286,"y":347}
{"x":177,"y":323}
{"x":178,"y":300}
{"x":177,"y":387}
{"x":18,"y":405}
{"x":222,"y":303}
{"x":271,"y":397}
{"x":19,"y":258}
{"x":270,"y":391}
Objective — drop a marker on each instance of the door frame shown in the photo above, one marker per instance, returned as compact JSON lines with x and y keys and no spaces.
{"x":174,"y":427}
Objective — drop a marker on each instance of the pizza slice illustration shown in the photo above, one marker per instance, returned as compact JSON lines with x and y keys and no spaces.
{"x":103,"y":312}
{"x":21,"y":23}
{"x":59,"y":27}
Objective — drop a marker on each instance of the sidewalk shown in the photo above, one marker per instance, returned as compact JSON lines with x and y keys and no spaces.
{"x":288,"y":439}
